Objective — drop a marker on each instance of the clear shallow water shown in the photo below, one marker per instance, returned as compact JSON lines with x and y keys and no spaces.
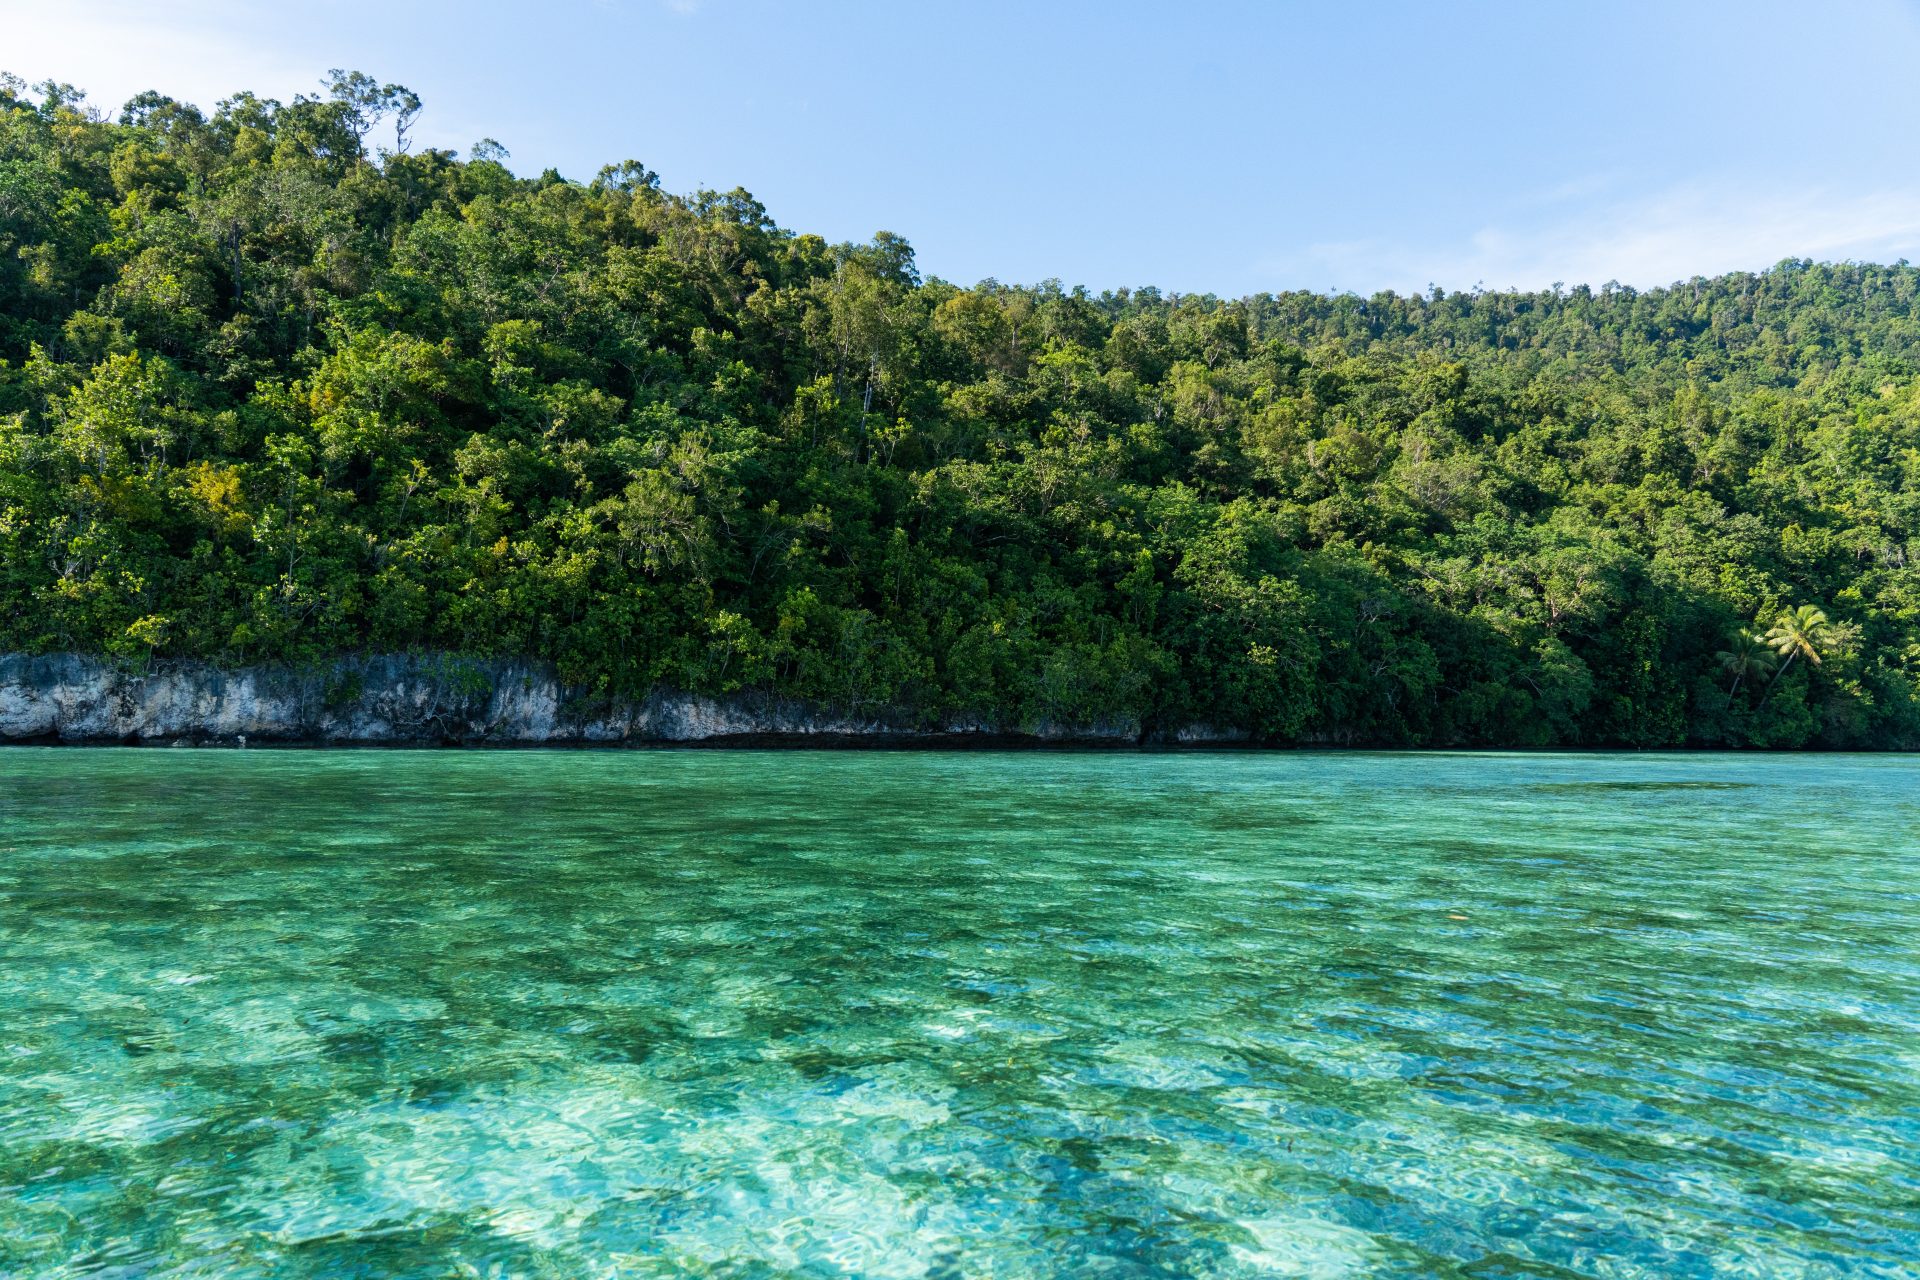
{"x":753,"y":1015}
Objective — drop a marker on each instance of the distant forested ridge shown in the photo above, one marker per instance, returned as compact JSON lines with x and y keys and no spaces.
{"x":276,"y":385}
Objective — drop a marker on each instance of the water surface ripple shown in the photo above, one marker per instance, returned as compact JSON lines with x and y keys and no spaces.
{"x":583,"y":1015}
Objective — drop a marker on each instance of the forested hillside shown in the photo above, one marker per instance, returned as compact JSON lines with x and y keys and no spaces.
{"x":276,"y":385}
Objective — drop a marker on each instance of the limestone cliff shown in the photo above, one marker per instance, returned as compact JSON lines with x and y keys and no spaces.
{"x":430,"y":699}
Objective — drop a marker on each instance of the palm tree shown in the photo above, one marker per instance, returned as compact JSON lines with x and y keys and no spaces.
{"x":1799,"y":632}
{"x":1748,"y":655}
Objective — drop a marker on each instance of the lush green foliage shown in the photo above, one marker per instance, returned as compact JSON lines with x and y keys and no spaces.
{"x":270,"y":392}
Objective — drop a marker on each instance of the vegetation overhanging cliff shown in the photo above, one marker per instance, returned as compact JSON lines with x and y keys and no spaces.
{"x":275,"y":387}
{"x":438,"y":699}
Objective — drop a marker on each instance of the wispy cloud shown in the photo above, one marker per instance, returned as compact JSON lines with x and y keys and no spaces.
{"x":199,"y":51}
{"x":1695,"y":229}
{"x":194,"y":50}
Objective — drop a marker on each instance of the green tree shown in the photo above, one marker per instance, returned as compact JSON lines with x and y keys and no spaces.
{"x":1747,"y":656}
{"x":1800,"y":632}
{"x":273,"y":391}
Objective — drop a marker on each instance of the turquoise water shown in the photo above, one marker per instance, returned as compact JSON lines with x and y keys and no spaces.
{"x":585,"y":1015}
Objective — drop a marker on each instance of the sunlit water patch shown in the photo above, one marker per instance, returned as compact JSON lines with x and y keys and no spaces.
{"x":900,"y":1015}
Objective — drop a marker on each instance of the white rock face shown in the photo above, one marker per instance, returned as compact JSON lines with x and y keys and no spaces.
{"x":415,"y":698}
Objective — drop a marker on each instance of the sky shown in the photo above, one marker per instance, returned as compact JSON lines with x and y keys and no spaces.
{"x":1200,"y":146}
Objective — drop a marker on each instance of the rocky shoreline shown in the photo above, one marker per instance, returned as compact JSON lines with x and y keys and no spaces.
{"x":433,"y":700}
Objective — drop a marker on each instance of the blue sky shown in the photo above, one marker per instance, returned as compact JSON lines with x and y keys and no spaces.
{"x":1223,"y":147}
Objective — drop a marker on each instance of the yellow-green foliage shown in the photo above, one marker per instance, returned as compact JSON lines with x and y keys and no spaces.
{"x":267,"y":395}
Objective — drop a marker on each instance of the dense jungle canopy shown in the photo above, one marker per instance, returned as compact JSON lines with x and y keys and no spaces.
{"x":275,"y":385}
